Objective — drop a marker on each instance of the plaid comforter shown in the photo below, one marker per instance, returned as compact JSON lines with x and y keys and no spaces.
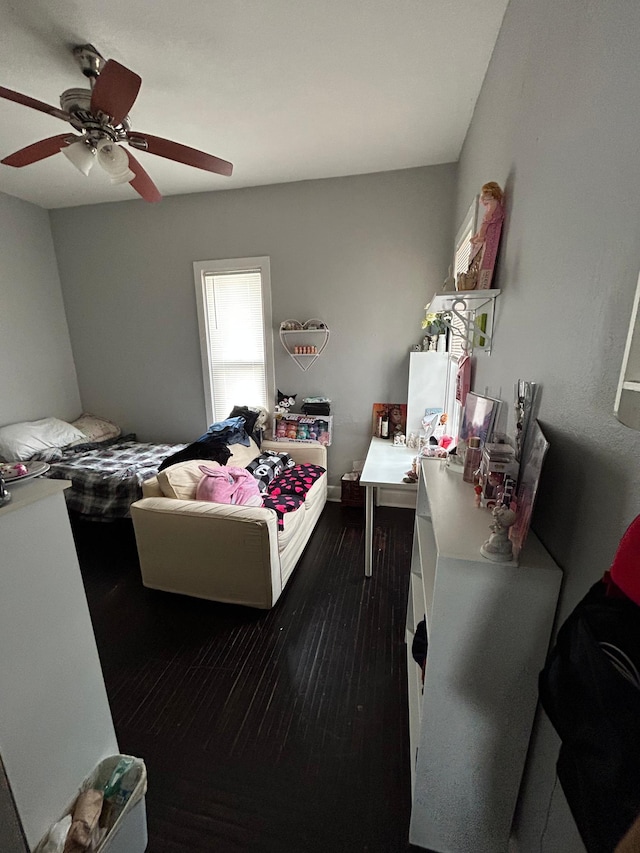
{"x":107,"y":480}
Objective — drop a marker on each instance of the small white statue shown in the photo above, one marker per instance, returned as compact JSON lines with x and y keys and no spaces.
{"x":498,"y":546}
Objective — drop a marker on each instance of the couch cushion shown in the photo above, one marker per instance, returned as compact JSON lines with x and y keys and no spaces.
{"x":181,"y":480}
{"x":296,"y":480}
{"x":316,"y":494}
{"x":289,"y":510}
{"x":241,"y":456}
{"x":268,"y":466}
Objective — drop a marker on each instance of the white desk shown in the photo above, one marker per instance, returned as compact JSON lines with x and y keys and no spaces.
{"x":385,"y":465}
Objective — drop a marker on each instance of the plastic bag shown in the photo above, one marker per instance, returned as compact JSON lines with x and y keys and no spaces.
{"x":57,"y":836}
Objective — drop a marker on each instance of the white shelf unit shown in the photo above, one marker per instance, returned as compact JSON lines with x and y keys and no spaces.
{"x":318,"y":338}
{"x":488,"y":627}
{"x":474,"y":312}
{"x":55,"y":720}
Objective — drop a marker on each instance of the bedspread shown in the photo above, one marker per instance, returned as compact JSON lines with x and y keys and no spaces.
{"x":107,"y":480}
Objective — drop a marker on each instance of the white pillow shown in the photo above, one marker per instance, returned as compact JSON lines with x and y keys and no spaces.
{"x":181,"y":480}
{"x":19,"y":442}
{"x":96,"y":429}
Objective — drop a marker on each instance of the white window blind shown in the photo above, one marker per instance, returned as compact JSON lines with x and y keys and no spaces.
{"x":234,"y":311}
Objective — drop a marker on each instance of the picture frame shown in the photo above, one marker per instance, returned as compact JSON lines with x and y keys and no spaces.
{"x":478,"y":418}
{"x":397,"y":413}
{"x":530,"y":469}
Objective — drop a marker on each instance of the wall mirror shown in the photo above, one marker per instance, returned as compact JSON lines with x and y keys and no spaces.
{"x":627,"y":406}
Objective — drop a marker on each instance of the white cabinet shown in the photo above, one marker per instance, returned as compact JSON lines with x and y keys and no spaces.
{"x":55,"y":720}
{"x":427,"y":386}
{"x":489,"y":627}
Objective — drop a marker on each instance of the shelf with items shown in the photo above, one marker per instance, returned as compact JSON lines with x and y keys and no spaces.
{"x":472,"y":314}
{"x":304,"y":342}
{"x":488,"y":628}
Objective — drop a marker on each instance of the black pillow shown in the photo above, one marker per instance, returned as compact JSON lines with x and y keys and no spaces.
{"x":268,"y":466}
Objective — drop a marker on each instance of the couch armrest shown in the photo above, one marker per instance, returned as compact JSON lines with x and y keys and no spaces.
{"x":209,"y":550}
{"x":300,"y":451}
{"x":151,"y":488}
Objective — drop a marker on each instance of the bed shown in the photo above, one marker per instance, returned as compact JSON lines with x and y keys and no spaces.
{"x":106,"y":480}
{"x":106,"y":468}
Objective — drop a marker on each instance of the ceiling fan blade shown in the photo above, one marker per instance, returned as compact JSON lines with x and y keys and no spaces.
{"x":38,"y":151}
{"x":26,"y":101}
{"x":115,"y":91}
{"x":142,"y":183}
{"x":181,"y":153}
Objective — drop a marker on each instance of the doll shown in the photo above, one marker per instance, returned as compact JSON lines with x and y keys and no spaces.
{"x":484,"y":243}
{"x":285,"y":403}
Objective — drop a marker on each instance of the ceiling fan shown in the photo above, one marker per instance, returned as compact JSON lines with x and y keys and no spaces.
{"x":100,"y":115}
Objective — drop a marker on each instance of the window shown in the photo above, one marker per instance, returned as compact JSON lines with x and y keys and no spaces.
{"x":236,"y":335}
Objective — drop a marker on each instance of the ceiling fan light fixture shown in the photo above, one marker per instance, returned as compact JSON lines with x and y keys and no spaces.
{"x":115,"y":162}
{"x":81,"y":155}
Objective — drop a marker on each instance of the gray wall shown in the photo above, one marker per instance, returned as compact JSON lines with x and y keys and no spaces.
{"x":555,"y":125}
{"x":362,"y":253}
{"x":37,"y":373}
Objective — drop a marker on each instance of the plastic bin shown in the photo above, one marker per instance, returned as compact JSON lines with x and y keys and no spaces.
{"x":128,"y":832}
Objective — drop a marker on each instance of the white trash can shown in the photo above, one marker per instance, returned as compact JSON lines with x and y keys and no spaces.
{"x":127,"y":824}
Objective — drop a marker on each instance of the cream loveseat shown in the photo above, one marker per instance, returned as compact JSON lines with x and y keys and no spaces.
{"x":219,"y":551}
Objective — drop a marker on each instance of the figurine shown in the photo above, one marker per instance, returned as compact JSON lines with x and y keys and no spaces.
{"x":498,"y":547}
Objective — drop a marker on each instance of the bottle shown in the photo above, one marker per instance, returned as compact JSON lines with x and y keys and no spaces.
{"x":472,"y":460}
{"x":384,"y":426}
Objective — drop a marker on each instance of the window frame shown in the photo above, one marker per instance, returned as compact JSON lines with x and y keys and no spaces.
{"x":201,"y":269}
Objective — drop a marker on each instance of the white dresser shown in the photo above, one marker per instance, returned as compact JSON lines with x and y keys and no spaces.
{"x":489,"y":626}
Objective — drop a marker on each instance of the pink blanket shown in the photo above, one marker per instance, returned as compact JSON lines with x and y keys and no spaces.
{"x":228,"y":485}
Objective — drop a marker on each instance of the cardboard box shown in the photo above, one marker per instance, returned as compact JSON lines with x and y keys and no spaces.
{"x":303,"y":428}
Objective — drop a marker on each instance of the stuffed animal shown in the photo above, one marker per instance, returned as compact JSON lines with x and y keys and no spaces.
{"x":285,"y":403}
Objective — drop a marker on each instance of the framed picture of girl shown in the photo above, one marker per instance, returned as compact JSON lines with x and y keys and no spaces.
{"x":478,"y":418}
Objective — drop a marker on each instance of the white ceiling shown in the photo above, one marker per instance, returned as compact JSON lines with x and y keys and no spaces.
{"x":287,"y":90}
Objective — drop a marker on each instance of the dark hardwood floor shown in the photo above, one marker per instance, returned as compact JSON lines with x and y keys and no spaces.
{"x":264,"y":731}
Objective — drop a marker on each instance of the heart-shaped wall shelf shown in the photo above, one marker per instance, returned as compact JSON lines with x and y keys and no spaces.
{"x":304,"y":341}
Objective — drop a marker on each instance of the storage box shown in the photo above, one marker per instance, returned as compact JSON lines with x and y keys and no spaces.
{"x":498,"y":474}
{"x":303,"y":428}
{"x":352,"y":491}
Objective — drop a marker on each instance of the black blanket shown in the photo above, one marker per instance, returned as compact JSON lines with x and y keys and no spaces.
{"x":211,"y":447}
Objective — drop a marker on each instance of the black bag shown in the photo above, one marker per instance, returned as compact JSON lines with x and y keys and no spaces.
{"x":316,"y":408}
{"x":587,"y":691}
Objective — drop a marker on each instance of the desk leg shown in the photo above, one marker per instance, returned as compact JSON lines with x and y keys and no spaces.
{"x":368,"y":530}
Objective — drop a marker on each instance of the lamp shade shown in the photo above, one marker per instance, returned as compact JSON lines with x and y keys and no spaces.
{"x":113,"y":159}
{"x":81,"y":155}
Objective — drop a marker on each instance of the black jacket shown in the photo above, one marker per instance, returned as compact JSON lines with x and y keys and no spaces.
{"x":587,"y":690}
